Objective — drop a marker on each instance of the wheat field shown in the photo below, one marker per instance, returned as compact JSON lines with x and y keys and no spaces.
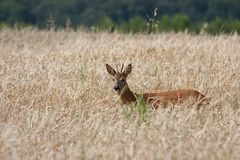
{"x":58,"y":102}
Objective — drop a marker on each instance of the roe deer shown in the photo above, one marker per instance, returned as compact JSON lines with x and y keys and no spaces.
{"x":153,"y":99}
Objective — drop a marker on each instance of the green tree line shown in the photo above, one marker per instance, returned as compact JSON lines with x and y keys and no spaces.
{"x":212,"y":16}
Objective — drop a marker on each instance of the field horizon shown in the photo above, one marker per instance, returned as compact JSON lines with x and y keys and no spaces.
{"x":58,"y":102}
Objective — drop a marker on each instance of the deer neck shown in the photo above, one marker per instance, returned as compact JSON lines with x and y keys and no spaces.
{"x":126,"y":95}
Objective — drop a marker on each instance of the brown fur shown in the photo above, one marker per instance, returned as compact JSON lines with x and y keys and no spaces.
{"x":153,"y":99}
{"x":173,"y":97}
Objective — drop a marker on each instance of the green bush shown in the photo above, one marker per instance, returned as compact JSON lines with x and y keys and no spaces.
{"x":232,"y":26}
{"x":216,"y":26}
{"x":4,"y":25}
{"x":105,"y":23}
{"x":180,"y":22}
{"x":124,"y":27}
{"x":15,"y":26}
{"x":137,"y":24}
{"x":134,"y":25}
{"x":165,"y":24}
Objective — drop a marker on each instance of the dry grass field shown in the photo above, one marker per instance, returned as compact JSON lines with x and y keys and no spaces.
{"x":57,"y":99}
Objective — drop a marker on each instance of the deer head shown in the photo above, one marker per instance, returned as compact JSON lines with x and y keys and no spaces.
{"x":120,"y":77}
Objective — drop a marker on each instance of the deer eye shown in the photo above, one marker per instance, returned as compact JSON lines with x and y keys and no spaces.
{"x":122,"y":80}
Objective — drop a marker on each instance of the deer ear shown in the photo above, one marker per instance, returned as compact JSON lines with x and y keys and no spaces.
{"x":128,"y":69}
{"x":110,"y":70}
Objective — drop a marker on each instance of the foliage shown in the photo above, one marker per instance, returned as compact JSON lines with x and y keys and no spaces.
{"x":165,"y":23}
{"x":153,"y":23}
{"x":217,"y":25}
{"x":180,"y":22}
{"x":137,"y":24}
{"x":126,"y":15}
{"x":105,"y":23}
{"x":141,"y":108}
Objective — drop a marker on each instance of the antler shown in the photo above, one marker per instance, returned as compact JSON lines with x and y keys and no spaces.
{"x":122,"y":67}
{"x":117,"y":67}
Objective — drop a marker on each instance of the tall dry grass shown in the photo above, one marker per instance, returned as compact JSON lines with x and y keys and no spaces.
{"x":58,"y":102}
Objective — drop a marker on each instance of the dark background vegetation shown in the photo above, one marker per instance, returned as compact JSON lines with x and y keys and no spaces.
{"x":213,"y":16}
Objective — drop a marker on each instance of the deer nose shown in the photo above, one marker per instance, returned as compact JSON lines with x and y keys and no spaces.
{"x":116,"y":88}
